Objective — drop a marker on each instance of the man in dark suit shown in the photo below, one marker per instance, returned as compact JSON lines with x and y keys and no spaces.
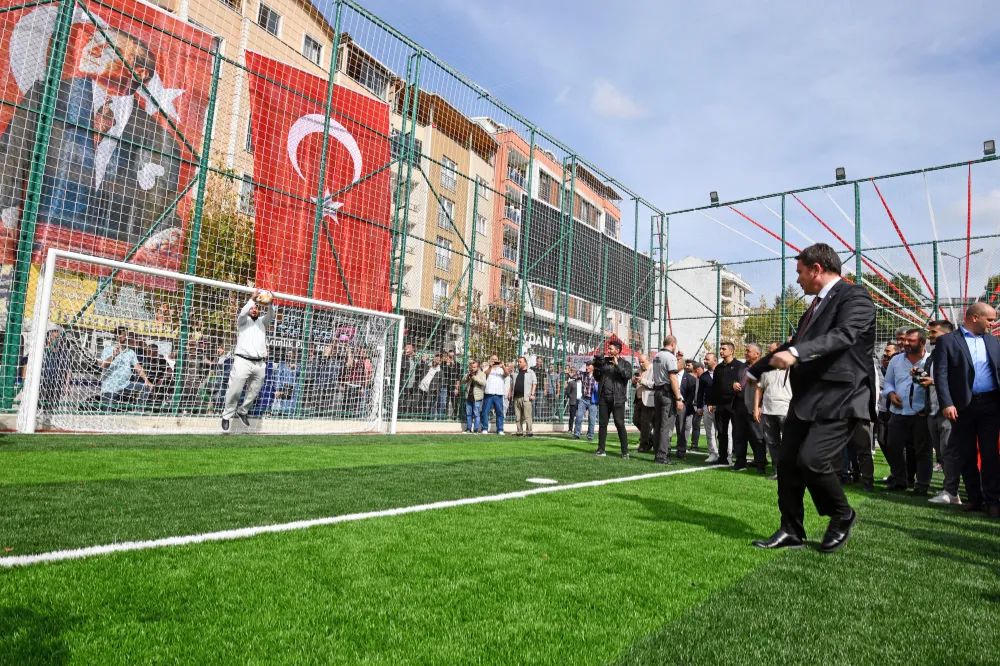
{"x":832,"y":379}
{"x":726,"y":398}
{"x":688,"y":385}
{"x":112,"y":169}
{"x":966,"y":364}
{"x":704,"y":392}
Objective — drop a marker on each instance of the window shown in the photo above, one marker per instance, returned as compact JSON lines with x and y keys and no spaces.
{"x":610,"y":226}
{"x":312,"y":49}
{"x":580,"y":310}
{"x":586,"y":212}
{"x":446,"y":213}
{"x":246,"y":195}
{"x":442,"y":254}
{"x":484,"y":188}
{"x":372,"y":76}
{"x":481,"y":223}
{"x":448,"y":179}
{"x":480,"y":262}
{"x":269,"y":19}
{"x":249,"y":144}
{"x":400,"y":142}
{"x":441,"y":290}
{"x":232,"y":4}
{"x":543,"y":299}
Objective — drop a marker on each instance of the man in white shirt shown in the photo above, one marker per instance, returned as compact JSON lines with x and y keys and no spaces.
{"x":496,"y":389}
{"x":770,"y":409}
{"x":249,"y":358}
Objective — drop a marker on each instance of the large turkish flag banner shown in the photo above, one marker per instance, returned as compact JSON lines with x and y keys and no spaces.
{"x":354,"y":241}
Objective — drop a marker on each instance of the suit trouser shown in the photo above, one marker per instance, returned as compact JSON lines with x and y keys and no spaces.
{"x":709,"y":419}
{"x":606,"y":410}
{"x":681,"y":432}
{"x":664,"y":421}
{"x":242,"y":371}
{"x":744,"y":435}
{"x":642,"y":418}
{"x":862,"y":447}
{"x":522,"y":414}
{"x":911,"y":446}
{"x":772,"y":436}
{"x":940,"y":428}
{"x":977,"y":431}
{"x":571,"y":407}
{"x":694,"y":427}
{"x":808,"y":450}
{"x":723,"y":417}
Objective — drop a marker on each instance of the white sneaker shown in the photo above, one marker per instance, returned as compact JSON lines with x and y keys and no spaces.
{"x":944,"y":497}
{"x":500,"y":433}
{"x":711,"y":459}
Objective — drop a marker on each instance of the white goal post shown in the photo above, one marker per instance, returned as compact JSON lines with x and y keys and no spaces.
{"x":123,"y":348}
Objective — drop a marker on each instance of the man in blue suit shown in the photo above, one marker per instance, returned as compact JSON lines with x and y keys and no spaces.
{"x":968,"y":386}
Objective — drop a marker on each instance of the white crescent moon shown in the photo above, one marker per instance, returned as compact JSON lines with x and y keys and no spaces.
{"x":313,"y":124}
{"x":29,"y":42}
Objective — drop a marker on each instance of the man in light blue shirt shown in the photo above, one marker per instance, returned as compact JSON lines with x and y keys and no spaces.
{"x":909,"y":451}
{"x":119,"y":361}
{"x":984,"y":381}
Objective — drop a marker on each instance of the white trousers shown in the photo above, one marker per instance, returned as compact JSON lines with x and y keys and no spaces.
{"x":709,"y":421}
{"x":242,"y":371}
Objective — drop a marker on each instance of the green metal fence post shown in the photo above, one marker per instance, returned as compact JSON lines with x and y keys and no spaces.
{"x":635,"y":281}
{"x":524,"y":246}
{"x":784,"y":276}
{"x":199,"y":207}
{"x":718,"y":306}
{"x":567,"y":203}
{"x":665,"y":229}
{"x":472,"y":273}
{"x":320,"y":207}
{"x":32,"y":198}
{"x":408,"y":155}
{"x":857,"y":233}
{"x":653,"y":281}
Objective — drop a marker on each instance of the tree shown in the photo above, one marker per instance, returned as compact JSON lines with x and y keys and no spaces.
{"x":764,"y":324}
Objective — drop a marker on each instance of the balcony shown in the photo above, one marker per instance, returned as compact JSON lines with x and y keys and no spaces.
{"x":512,"y":213}
{"x":507,"y":293}
{"x":516,"y":177}
{"x":510,"y":254}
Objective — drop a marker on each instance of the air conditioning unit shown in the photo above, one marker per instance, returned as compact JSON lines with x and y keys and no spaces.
{"x":456,"y":329}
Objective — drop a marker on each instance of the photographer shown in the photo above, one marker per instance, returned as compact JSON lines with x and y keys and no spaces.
{"x":909,"y":451}
{"x":613,"y":374}
{"x":475,"y":381}
{"x":495,"y":391}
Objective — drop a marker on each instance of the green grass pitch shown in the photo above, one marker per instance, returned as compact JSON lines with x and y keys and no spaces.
{"x":654,"y":571}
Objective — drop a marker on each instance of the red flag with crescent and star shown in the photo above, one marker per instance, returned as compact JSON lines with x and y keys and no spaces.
{"x":354,"y":242}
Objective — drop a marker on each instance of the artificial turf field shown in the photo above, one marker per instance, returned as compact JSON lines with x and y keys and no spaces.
{"x":654,"y":571}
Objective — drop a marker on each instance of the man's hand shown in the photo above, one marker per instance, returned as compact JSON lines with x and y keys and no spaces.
{"x":950,"y":413}
{"x":680,"y":406}
{"x":614,"y":359}
{"x":783,"y":359}
{"x":711,"y":410}
{"x":737,"y":387}
{"x":756,"y":414}
{"x":926,"y":381}
{"x":701,"y":412}
{"x":896,"y":400}
{"x":531,"y":398}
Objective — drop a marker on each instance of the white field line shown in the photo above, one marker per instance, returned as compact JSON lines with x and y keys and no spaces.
{"x":246,"y":532}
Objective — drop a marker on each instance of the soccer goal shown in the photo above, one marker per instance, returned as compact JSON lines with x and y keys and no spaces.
{"x":121,"y":348}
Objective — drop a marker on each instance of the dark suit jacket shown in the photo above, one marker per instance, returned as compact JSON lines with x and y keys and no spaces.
{"x":689,"y":390}
{"x":835,"y":376}
{"x":953,"y":370}
{"x":704,"y":390}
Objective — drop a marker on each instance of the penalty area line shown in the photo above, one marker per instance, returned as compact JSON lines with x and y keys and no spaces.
{"x":247,"y":532}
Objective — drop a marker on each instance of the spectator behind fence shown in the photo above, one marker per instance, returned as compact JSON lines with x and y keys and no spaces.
{"x":588,"y":402}
{"x":475,"y":382}
{"x":644,"y":405}
{"x":572,"y":393}
{"x":968,"y":389}
{"x":119,"y":361}
{"x":522,"y":392}
{"x":909,"y":453}
{"x":495,"y":391}
{"x":940,"y":427}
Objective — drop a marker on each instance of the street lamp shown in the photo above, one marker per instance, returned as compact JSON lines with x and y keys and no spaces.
{"x":960,"y":259}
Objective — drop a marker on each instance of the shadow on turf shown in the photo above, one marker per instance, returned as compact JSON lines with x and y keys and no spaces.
{"x":30,"y":637}
{"x":671,"y":512}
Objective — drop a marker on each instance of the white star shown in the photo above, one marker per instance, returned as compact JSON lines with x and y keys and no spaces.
{"x":330,"y":208}
{"x":162,"y":98}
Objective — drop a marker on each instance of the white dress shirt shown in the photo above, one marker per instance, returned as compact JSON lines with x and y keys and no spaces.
{"x":819,"y":299}
{"x":251,"y":338}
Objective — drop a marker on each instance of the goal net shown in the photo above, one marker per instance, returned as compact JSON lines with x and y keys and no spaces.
{"x":123,"y":348}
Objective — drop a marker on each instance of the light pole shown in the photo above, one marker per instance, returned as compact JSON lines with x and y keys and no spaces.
{"x":963,"y":288}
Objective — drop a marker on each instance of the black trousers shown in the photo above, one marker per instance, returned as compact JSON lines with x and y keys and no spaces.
{"x":912,"y":451}
{"x":605,"y":410}
{"x":681,"y":432}
{"x":723,"y":417}
{"x":695,"y":428}
{"x":977,"y":431}
{"x":747,"y":433}
{"x":809,"y":450}
{"x":861,"y":450}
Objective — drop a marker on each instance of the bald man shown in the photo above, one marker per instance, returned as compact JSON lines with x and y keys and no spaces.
{"x":967,"y":377}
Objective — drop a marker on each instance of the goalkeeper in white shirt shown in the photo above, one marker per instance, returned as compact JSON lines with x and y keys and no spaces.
{"x":250,"y":356}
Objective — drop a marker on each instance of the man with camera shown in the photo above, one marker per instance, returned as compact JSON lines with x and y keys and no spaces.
{"x":496,"y":389}
{"x":613,"y":374}
{"x":909,"y":451}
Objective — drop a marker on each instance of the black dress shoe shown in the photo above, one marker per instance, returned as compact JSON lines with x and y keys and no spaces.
{"x":838,"y":533}
{"x":225,"y":425}
{"x":664,"y":461}
{"x":994,"y":512}
{"x":245,"y":419}
{"x":739,"y":468}
{"x":974,"y":507}
{"x":780,"y":539}
{"x":644,"y":449}
{"x":868,"y":487}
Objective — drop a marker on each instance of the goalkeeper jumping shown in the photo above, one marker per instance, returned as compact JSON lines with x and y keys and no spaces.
{"x":250,"y":356}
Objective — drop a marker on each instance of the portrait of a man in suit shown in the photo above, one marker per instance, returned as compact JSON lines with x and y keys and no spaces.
{"x":112,"y":169}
